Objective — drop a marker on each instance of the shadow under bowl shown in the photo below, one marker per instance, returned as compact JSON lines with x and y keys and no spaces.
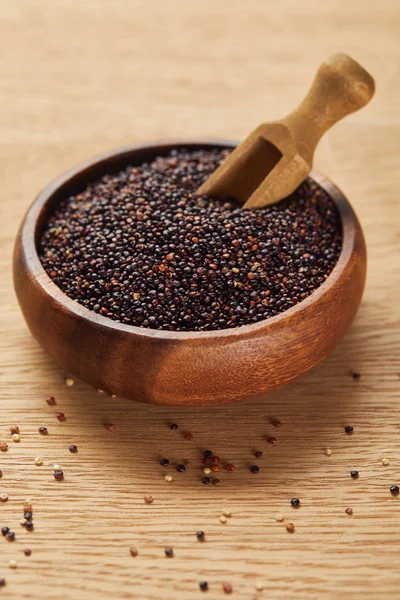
{"x":182,"y":368}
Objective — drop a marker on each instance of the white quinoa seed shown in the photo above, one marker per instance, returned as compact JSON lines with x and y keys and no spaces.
{"x":279,"y":517}
{"x":69,"y":382}
{"x":206,"y":471}
{"x":15,"y":437}
{"x":259,"y":586}
{"x":226,"y":512}
{"x":168,"y":478}
{"x":38,"y":461}
{"x":328,"y":451}
{"x":385,"y":462}
{"x":223,"y":519}
{"x":13,"y":564}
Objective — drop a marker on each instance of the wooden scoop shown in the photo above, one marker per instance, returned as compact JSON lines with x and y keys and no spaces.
{"x":274,"y":160}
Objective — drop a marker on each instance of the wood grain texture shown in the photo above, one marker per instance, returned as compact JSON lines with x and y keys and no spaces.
{"x":83,"y":77}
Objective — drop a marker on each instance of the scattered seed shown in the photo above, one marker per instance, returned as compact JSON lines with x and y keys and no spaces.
{"x":4,"y":497}
{"x":69,"y":382}
{"x":110,"y":426}
{"x":207,"y":454}
{"x":226,"y":512}
{"x":14,"y":429}
{"x":1,"y":473}
{"x":148,"y":499}
{"x":223,"y":519}
{"x":2,"y":582}
{"x":13,"y":564}
{"x":394,"y":489}
{"x":348,"y":429}
{"x":215,"y":459}
{"x":187,"y":463}
{"x":73,"y":449}
{"x":29,"y":526}
{"x":164,"y":462}
{"x":180,"y":468}
{"x":200,"y":535}
{"x":169,"y":552}
{"x":57,"y":467}
{"x":174,"y":426}
{"x":254,"y":468}
{"x":215,"y":468}
{"x":349,"y":511}
{"x":23,"y":522}
{"x":276,"y":423}
{"x":38,"y":461}
{"x":28,"y":515}
{"x":230,"y":467}
{"x":279,"y":517}
{"x":354,"y":474}
{"x":259,"y":586}
{"x":51,"y":401}
{"x":10,"y":536}
{"x":59,"y":475}
{"x":43,"y":430}
{"x":356,"y":375}
{"x":215,"y":481}
{"x":206,"y":470}
{"x":5,"y":530}
{"x":168,"y":478}
{"x":27,"y":551}
{"x":258,"y":454}
{"x":188,"y":436}
{"x":290,"y":527}
{"x":203,"y":586}
{"x":60,"y":416}
{"x":3,"y":446}
{"x":227,"y":588}
{"x":206,"y":480}
{"x":27,"y":504}
{"x":271,"y":440}
{"x":328,"y":451}
{"x":16,"y":437}
{"x":295,"y":502}
{"x":385,"y":462}
{"x":133,"y":551}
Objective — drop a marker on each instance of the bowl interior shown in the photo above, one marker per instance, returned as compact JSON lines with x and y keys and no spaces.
{"x":76,"y":179}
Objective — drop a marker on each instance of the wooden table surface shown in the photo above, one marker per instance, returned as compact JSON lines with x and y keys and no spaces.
{"x":81,"y":77}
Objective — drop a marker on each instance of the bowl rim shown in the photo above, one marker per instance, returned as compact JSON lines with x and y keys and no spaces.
{"x":28,"y":237}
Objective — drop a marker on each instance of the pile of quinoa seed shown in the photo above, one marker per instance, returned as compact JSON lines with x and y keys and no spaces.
{"x":141,"y":248}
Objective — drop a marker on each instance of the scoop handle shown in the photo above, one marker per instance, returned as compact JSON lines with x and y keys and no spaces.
{"x":341,"y":86}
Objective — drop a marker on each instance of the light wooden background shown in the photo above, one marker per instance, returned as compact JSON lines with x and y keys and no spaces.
{"x":81,"y":77}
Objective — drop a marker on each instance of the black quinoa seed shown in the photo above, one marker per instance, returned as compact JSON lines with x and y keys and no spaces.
{"x":141,"y":248}
{"x":254,"y":468}
{"x":169,"y":552}
{"x":348,"y":429}
{"x":2,"y":582}
{"x":10,"y":536}
{"x":356,"y":375}
{"x":180,"y":468}
{"x":394,"y":489}
{"x":5,"y":530}
{"x":203,"y":585}
{"x":205,"y":480}
{"x":164,"y":462}
{"x":295,"y":502}
{"x":28,"y":516}
{"x":354,"y":474}
{"x":29,"y":525}
{"x":173,"y":426}
{"x":200,"y":535}
{"x":73,"y":449}
{"x":207,"y":454}
{"x":43,"y":430}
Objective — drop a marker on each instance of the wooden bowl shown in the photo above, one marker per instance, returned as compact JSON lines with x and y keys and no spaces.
{"x":182,"y":368}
